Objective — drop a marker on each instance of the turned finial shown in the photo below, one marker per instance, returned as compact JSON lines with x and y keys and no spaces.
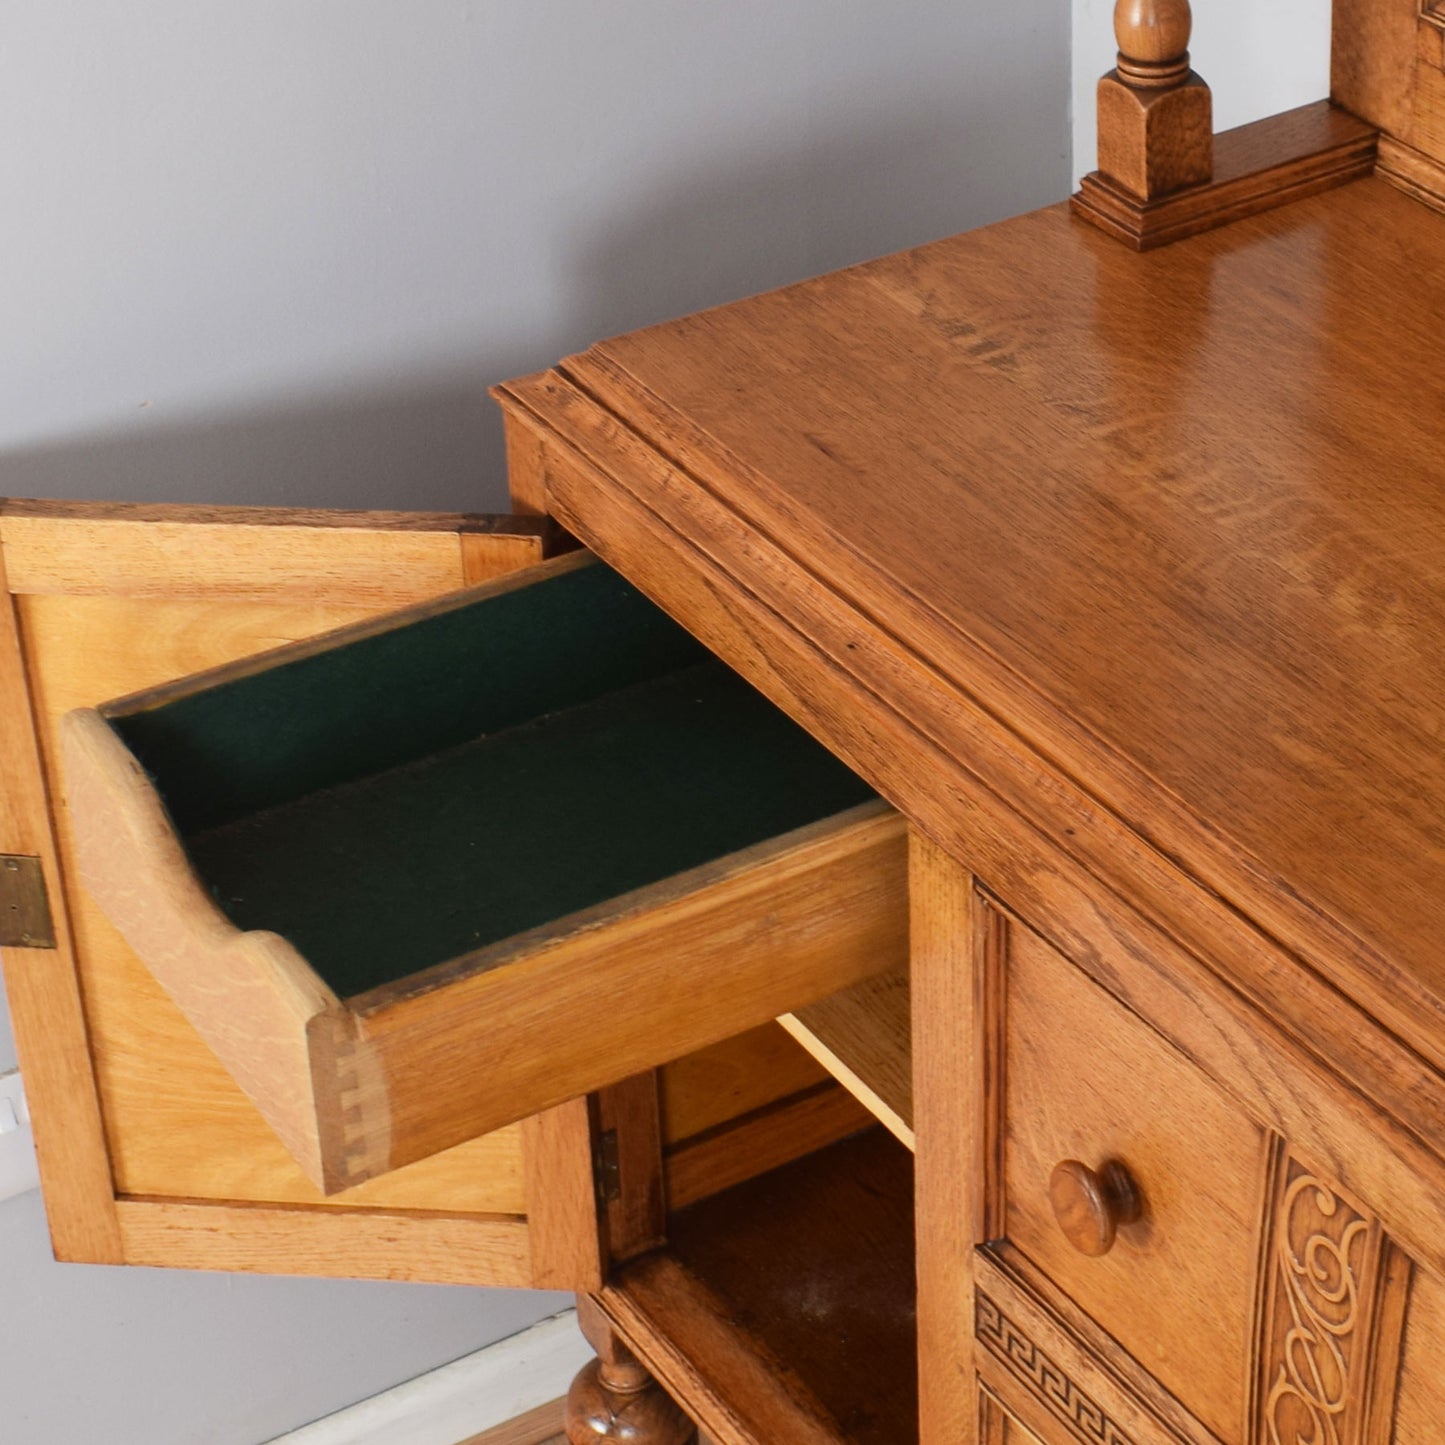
{"x":1153,"y":38}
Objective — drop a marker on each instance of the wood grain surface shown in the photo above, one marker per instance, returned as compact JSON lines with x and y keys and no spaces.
{"x":1421,"y":177}
{"x":1387,"y":64}
{"x":257,"y":554}
{"x":43,"y":992}
{"x":558,"y":1149}
{"x":740,"y":1107}
{"x":953,"y":995}
{"x":348,"y":1244}
{"x":251,"y":996}
{"x":790,"y":921}
{"x":685,"y":1335}
{"x":541,"y":1426}
{"x":783,"y":1309}
{"x":727,"y":1080}
{"x":998,"y":1427}
{"x":1421,"y":1399}
{"x":769,"y":1137}
{"x":1140,"y":557}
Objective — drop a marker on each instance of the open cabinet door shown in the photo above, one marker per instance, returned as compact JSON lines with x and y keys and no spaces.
{"x":149,"y":1152}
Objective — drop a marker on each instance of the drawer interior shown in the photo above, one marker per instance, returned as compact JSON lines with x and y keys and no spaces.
{"x":428,"y":791}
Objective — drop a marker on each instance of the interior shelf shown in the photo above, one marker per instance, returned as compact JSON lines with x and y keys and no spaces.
{"x":784,"y":1308}
{"x":862,"y":1037}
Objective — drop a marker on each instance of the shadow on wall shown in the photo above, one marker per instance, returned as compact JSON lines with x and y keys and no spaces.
{"x":434,"y":442}
{"x":703,"y":241}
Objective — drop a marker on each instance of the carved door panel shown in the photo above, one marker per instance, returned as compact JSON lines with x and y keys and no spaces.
{"x":1332,"y":1290}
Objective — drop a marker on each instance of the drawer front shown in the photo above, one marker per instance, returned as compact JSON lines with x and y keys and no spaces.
{"x":1131,"y":1181}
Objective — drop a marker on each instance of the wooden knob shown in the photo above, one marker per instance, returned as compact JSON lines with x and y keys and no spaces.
{"x":1091,"y":1206}
{"x":1153,"y":38}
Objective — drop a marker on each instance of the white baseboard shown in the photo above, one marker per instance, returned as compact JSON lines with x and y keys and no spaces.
{"x":464,"y":1398}
{"x":18,"y":1171}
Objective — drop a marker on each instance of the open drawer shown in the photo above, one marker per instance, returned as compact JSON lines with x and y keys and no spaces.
{"x":425,"y":876}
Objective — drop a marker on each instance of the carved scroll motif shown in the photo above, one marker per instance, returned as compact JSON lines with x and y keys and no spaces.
{"x":1333,"y":1294}
{"x":1044,"y":1378}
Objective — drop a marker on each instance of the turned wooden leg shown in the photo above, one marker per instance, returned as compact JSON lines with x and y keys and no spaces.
{"x":614,"y":1397}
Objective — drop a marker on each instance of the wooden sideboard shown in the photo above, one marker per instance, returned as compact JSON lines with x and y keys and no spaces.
{"x":1116,"y":569}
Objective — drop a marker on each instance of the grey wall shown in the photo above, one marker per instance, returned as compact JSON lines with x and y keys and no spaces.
{"x":7,"y":1042}
{"x":274,"y":252}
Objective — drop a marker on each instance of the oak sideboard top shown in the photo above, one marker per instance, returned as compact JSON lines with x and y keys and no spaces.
{"x":1173,"y":523}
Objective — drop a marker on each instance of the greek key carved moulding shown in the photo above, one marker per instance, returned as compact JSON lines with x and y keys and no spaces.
{"x":1332,"y":1298}
{"x":1046,"y":1379}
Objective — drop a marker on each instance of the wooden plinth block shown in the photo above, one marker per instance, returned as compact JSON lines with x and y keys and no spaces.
{"x":1256,"y":168}
{"x":1156,"y":117}
{"x":1164,"y":175}
{"x":1155,"y":141}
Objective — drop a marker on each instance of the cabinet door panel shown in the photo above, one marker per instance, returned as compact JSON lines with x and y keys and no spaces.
{"x":111,"y":599}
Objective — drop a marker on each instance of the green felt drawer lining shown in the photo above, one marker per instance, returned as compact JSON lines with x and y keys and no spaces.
{"x":380,"y":878}
{"x":316,"y":721}
{"x":502,"y":797}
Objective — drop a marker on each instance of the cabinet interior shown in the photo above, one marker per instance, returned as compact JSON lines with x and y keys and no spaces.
{"x":798,"y":1287}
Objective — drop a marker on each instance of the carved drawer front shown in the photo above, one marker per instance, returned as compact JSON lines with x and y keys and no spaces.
{"x":1131,"y":1181}
{"x":426,"y":876}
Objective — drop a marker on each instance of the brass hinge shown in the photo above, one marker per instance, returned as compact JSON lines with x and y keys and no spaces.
{"x":25,"y":920}
{"x":607,"y":1169}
